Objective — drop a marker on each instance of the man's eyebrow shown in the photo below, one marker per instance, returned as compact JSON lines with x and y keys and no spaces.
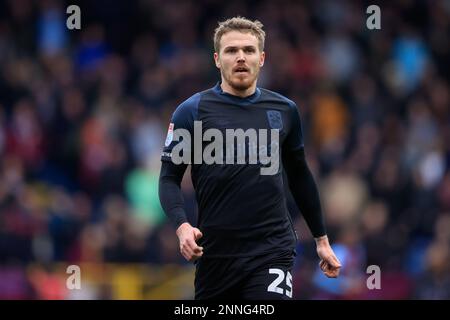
{"x":236,"y":47}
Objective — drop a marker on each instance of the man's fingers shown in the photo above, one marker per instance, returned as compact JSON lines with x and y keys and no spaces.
{"x":329,"y":263}
{"x":187,"y":252}
{"x":193,"y":246}
{"x":190,"y":255}
{"x":322,"y":264}
{"x":331,"y":273}
{"x":193,"y":254}
{"x":190,"y":250}
{"x":335,"y":262}
{"x":197,"y":234}
{"x":185,"y":255}
{"x":198,"y":249}
{"x":329,"y":270}
{"x":332,"y":261}
{"x":334,"y":273}
{"x":187,"y":236}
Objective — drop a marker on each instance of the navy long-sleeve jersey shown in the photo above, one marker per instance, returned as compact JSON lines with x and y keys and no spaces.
{"x":242,"y":212}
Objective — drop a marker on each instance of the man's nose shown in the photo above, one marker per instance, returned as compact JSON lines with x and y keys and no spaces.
{"x":241,"y":56}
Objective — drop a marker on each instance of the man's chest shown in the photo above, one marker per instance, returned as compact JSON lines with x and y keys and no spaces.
{"x":233,"y":117}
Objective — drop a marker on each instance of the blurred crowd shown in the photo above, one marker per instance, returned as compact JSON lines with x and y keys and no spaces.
{"x":83,"y":117}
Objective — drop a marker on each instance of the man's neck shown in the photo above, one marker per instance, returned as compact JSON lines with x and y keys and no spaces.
{"x":240,"y":93}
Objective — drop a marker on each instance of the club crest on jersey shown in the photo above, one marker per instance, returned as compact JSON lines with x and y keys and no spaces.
{"x":275,"y":120}
{"x":169,"y":137}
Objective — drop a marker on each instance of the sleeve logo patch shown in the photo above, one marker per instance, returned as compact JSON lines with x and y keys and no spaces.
{"x":275,"y":120}
{"x":169,"y":137}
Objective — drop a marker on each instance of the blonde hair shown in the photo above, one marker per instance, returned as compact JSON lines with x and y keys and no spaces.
{"x":240,"y":24}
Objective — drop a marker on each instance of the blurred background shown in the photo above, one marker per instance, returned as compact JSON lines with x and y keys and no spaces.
{"x":84,"y":113}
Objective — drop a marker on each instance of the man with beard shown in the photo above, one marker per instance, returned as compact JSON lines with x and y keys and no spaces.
{"x":244,"y":244}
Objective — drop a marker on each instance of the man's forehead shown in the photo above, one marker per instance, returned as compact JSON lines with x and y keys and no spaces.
{"x":237,"y":38}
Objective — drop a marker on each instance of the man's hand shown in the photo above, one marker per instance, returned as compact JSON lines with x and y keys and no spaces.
{"x":329,"y":263}
{"x":187,"y":235}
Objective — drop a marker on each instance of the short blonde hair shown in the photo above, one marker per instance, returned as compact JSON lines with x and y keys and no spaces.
{"x":240,"y":24}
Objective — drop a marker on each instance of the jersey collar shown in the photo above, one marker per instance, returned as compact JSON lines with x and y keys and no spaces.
{"x":251,"y":98}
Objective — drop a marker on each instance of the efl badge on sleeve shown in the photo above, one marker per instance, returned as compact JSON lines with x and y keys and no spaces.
{"x":275,"y":120}
{"x":169,"y":137}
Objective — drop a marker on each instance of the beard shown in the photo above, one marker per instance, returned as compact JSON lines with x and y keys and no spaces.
{"x":239,"y":83}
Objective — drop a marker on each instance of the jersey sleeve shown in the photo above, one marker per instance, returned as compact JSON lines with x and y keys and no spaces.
{"x":171,"y":175}
{"x":301,"y":181}
{"x":294,"y":140}
{"x":183,"y":118}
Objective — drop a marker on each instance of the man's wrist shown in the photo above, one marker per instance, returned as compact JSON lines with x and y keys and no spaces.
{"x":182,"y":226}
{"x":321,"y":240}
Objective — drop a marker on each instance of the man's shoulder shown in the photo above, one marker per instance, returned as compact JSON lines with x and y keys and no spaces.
{"x":189,"y":107}
{"x":191,"y":104}
{"x":269,"y":95}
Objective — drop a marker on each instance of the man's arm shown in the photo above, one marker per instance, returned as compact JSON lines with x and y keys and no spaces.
{"x":304,"y":191}
{"x":170,"y":194}
{"x":306,"y":195}
{"x":171,"y":198}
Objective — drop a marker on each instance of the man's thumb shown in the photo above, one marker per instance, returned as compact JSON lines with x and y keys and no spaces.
{"x":334,"y":262}
{"x":197,"y":234}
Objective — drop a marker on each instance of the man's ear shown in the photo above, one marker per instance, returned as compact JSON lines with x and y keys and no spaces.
{"x":216,"y":59}
{"x":262,"y":58}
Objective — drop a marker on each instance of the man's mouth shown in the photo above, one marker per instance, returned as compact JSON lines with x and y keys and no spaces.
{"x":241,"y":70}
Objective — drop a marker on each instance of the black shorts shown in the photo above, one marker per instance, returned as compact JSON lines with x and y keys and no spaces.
{"x":267,"y":277}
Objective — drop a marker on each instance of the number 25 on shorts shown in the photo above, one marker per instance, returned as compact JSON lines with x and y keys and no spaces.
{"x":273,"y":287}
